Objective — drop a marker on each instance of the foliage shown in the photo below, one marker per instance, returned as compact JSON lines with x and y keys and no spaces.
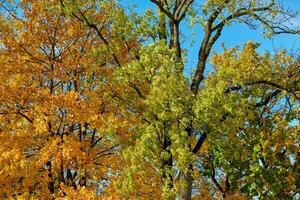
{"x":94,"y":103}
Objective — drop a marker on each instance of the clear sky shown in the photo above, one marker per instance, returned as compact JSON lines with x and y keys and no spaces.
{"x":237,"y":34}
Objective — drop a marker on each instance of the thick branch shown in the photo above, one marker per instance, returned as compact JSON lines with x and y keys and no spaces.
{"x":205,"y":48}
{"x":268,"y":98}
{"x":209,"y":40}
{"x":163,"y":9}
{"x":213,"y":176}
{"x":266,"y":82}
{"x":199,"y":143}
{"x":25,"y":116}
{"x":181,"y":9}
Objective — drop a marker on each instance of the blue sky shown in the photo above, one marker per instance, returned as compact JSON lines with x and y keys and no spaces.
{"x":237,"y":34}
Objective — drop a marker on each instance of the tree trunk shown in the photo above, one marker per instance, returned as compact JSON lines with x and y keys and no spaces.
{"x":167,"y":164}
{"x":51,"y":183}
{"x":175,"y":42}
{"x":187,"y":178}
{"x":162,"y":25}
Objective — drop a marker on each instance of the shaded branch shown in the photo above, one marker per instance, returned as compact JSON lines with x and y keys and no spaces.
{"x":163,"y":9}
{"x":181,"y":9}
{"x":199,"y":143}
{"x":94,"y":27}
{"x":268,"y":98}
{"x":213,"y":176}
{"x":25,"y":116}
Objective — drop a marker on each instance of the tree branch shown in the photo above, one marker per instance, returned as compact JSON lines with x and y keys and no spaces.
{"x":268,"y":98}
{"x":163,"y":9}
{"x":94,"y":27}
{"x":215,"y":180}
{"x":199,"y":143}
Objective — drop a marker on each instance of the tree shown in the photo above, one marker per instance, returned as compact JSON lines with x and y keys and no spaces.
{"x":174,"y":120}
{"x":58,"y":121}
{"x":94,"y":103}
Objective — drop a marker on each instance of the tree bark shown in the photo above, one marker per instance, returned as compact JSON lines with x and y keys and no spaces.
{"x":187,"y":178}
{"x":167,"y":163}
{"x":175,"y":42}
{"x":162,"y":25}
{"x":51,"y":183}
